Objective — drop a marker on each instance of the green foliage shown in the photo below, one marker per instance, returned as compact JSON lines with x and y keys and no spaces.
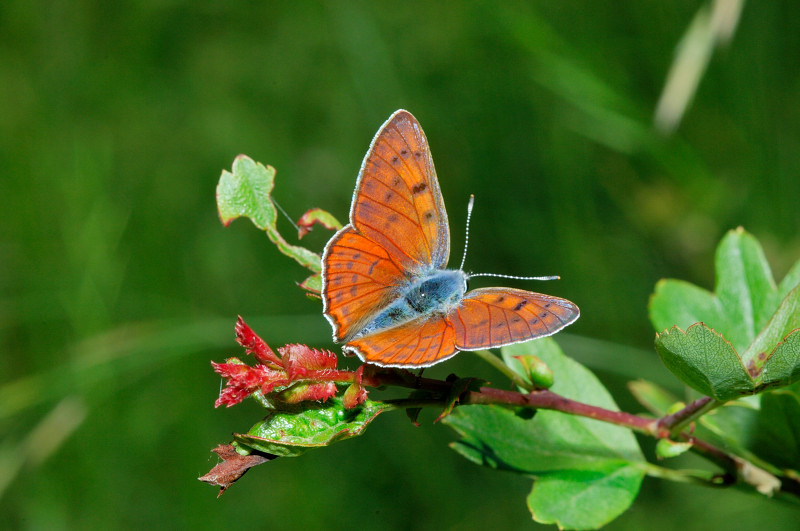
{"x":744,"y":300}
{"x":777,"y":433}
{"x":748,"y":313}
{"x":703,"y":360}
{"x":763,"y":320}
{"x":587,"y":472}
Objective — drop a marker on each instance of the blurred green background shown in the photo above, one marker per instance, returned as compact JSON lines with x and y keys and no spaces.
{"x":119,"y":284}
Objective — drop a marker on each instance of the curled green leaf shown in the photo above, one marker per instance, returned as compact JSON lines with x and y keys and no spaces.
{"x":291,"y":433}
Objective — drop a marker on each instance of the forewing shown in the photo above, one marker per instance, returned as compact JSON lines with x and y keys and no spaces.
{"x":397,"y":202}
{"x":493,"y":317}
{"x":419,"y":343}
{"x":358,"y":279}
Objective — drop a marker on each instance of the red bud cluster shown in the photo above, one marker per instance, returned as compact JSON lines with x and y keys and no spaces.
{"x":295,"y":374}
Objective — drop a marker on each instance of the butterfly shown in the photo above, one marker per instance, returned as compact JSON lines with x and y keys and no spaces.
{"x":385,"y":288}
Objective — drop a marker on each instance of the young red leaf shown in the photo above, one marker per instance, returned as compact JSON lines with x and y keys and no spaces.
{"x":243,"y":380}
{"x":355,"y":394}
{"x":299,"y":360}
{"x":230,"y":396}
{"x":254,"y":344}
{"x":316,"y":215}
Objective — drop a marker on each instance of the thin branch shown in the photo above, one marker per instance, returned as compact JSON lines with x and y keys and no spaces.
{"x":701,"y":477}
{"x":677,"y":421}
{"x":544,"y":399}
{"x":498,"y":364}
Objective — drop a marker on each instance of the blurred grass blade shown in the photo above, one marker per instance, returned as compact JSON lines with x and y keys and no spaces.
{"x":45,"y":439}
{"x":712,"y":27}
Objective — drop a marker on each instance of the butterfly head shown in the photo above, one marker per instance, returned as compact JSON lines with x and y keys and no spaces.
{"x":439,"y":290}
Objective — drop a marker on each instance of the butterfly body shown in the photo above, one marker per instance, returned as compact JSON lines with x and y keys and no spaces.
{"x":385,"y":289}
{"x":424,"y":295}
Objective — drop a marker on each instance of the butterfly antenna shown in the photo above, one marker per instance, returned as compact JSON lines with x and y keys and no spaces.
{"x":513,"y":277}
{"x":285,"y":214}
{"x":466,"y":231}
{"x":466,"y":244}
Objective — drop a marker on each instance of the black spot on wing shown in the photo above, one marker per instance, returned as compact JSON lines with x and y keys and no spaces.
{"x":417,"y":188}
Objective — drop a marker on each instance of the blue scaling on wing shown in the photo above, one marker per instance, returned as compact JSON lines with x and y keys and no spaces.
{"x":431,"y":292}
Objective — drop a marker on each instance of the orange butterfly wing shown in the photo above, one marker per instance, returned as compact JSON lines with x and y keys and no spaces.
{"x":398,"y":225}
{"x":359,"y":280}
{"x":397,"y":202}
{"x":493,"y":317}
{"x":418,"y":343}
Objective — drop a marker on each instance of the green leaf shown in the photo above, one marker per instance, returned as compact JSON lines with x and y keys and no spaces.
{"x":755,"y":316}
{"x":783,"y":365}
{"x":744,"y":298}
{"x":705,"y":361}
{"x":791,"y":280}
{"x":587,"y":472}
{"x":732,"y":426}
{"x":777,"y":438}
{"x":291,"y":433}
{"x":584,"y":499}
{"x":783,"y":321}
{"x":312,"y":283}
{"x":681,"y":304}
{"x":246,"y":192}
{"x":745,"y":287}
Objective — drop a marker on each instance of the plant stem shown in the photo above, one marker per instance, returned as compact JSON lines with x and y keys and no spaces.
{"x":498,"y":364}
{"x":701,"y":477}
{"x":676,"y":422}
{"x":544,"y":399}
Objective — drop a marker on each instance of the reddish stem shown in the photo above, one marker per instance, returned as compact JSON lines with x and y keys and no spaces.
{"x":544,"y":399}
{"x":670,"y":421}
